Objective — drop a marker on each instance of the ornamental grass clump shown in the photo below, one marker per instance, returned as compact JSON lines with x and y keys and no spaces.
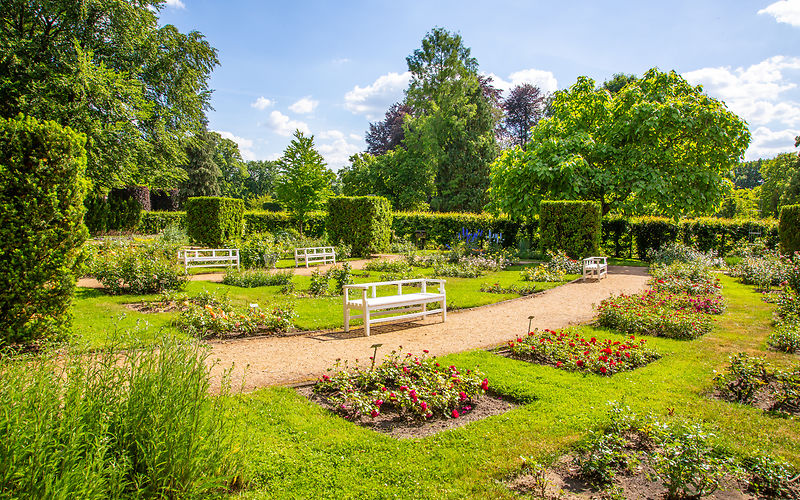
{"x":116,"y":423}
{"x":415,"y":387}
{"x":653,"y":313}
{"x":568,"y":349}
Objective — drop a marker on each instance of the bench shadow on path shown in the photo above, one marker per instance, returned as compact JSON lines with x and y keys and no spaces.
{"x":358,"y":331}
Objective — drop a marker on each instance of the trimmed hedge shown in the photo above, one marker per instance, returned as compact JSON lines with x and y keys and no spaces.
{"x":155,"y":222}
{"x":443,"y":227}
{"x":363,"y":222}
{"x":571,"y":226}
{"x":41,"y":229}
{"x":789,"y":229}
{"x":164,"y":200}
{"x":260,"y":222}
{"x":653,"y":233}
{"x":211,"y":220}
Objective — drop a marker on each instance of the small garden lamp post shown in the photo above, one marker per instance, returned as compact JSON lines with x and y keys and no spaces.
{"x":374,"y":348}
{"x":530,"y":320}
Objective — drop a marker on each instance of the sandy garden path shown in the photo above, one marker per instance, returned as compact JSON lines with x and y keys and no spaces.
{"x":285,"y":360}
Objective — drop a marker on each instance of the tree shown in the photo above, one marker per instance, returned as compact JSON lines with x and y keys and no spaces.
{"x":387,"y":134}
{"x":659,"y":145}
{"x":404,"y":179}
{"x":233,"y":171}
{"x":781,"y":183}
{"x":618,"y":82}
{"x":747,"y":175}
{"x":454,"y":120}
{"x":108,"y":70}
{"x":260,"y":180}
{"x":523,"y":107}
{"x":202,"y":172}
{"x":303,"y":183}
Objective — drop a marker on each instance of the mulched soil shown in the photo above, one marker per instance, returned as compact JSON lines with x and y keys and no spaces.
{"x":764,"y":400}
{"x":398,"y":427}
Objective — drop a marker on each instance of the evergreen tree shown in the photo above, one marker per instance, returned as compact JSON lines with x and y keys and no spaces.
{"x":202,"y":172}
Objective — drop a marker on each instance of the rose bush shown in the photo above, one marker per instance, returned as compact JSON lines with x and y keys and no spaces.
{"x":415,"y":387}
{"x":568,"y":349}
{"x":659,"y":314}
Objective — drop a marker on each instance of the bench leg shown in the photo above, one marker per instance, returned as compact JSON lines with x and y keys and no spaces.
{"x":346,"y":319}
{"x":444,"y":310}
{"x":424,"y":308}
{"x":366,"y":322}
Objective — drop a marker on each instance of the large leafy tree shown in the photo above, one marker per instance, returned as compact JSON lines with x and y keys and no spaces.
{"x":618,"y":82}
{"x":387,"y":134}
{"x":454,"y":120}
{"x":203,"y":174}
{"x":781,"y":183}
{"x":747,"y":175}
{"x":304,"y":182}
{"x":261,"y":176}
{"x":107,"y":69}
{"x":659,"y":145}
{"x":523,"y":107}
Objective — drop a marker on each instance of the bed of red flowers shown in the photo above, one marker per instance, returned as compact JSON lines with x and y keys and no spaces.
{"x":660,"y":313}
{"x":569,"y":349}
{"x":415,"y":387}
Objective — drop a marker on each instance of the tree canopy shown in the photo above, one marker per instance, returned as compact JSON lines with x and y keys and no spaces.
{"x":523,"y":107}
{"x":107,"y":69}
{"x":781,"y":183}
{"x":303,"y":183}
{"x":659,"y":145}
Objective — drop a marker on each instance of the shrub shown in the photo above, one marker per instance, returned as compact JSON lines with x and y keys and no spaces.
{"x":560,"y":262}
{"x":763,"y":271}
{"x":386,"y":266}
{"x":787,"y":391}
{"x":223,"y":320}
{"x":259,"y":250}
{"x":274,"y":222}
{"x":342,"y":275}
{"x":252,"y":278}
{"x":743,"y":377}
{"x":569,"y":350}
{"x":541,"y":273}
{"x":115,"y":423}
{"x":518,"y":289}
{"x":651,"y":233}
{"x":678,"y":252}
{"x":464,"y":269}
{"x":363,"y":222}
{"x":319,"y":283}
{"x":124,"y":211}
{"x":789,"y":229}
{"x":684,"y":277}
{"x":652,"y":313}
{"x":768,"y":477}
{"x":417,"y":388}
{"x":41,"y":205}
{"x":138,"y":269}
{"x":571,"y":226}
{"x":786,"y":338}
{"x":212,"y":221}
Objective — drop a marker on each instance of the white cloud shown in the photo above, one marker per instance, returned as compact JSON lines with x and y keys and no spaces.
{"x":374,"y":99}
{"x":768,"y":143}
{"x":336,"y":149}
{"x":285,"y":126}
{"x":545,"y":80}
{"x":762,"y":95}
{"x":341,"y":60}
{"x":304,"y":105}
{"x":175,"y":4}
{"x":784,"y":11}
{"x":261,"y":103}
{"x":245,"y":145}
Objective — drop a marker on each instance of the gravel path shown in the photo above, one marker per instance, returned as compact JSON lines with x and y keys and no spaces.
{"x":266,"y":361}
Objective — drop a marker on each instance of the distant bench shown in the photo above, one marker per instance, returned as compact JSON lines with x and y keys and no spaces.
{"x":373,"y":305}
{"x":314,"y":254}
{"x":209,"y":257}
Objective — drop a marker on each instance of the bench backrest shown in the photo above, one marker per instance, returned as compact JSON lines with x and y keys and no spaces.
{"x":203,"y":253}
{"x":313,"y":250}
{"x":422,"y":282}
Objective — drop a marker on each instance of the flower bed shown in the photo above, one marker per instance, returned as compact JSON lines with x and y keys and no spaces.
{"x":209,"y":316}
{"x":416,"y":388}
{"x":542,"y":272}
{"x":497,"y":288}
{"x":251,"y":278}
{"x":569,"y":350}
{"x":750,"y":380}
{"x":658,"y":314}
{"x":684,"y":277}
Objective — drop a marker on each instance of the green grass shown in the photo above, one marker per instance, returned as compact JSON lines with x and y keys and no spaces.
{"x":97,"y":315}
{"x":613,"y":261}
{"x":295,"y":449}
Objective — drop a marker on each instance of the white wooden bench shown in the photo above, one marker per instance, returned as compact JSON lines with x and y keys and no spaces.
{"x":414,"y":304}
{"x":595,"y":267}
{"x":209,"y":257}
{"x":314,"y":254}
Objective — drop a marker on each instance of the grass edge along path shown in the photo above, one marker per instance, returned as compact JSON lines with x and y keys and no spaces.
{"x":295,"y":449}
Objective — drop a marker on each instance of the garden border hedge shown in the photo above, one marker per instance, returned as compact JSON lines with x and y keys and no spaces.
{"x":363,"y":222}
{"x":211,"y":220}
{"x":572,"y":226}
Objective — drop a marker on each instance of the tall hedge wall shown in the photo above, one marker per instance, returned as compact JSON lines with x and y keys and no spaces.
{"x":41,"y":211}
{"x":259,"y":222}
{"x":155,"y":222}
{"x":211,"y":220}
{"x":442,"y":228}
{"x":572,"y":226}
{"x":789,"y":228}
{"x":363,"y":222}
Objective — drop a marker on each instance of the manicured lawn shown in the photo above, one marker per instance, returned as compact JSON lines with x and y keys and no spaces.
{"x":293,"y":448}
{"x":96,"y":313}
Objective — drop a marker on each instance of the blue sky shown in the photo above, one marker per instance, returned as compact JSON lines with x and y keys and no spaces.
{"x":331,"y":67}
